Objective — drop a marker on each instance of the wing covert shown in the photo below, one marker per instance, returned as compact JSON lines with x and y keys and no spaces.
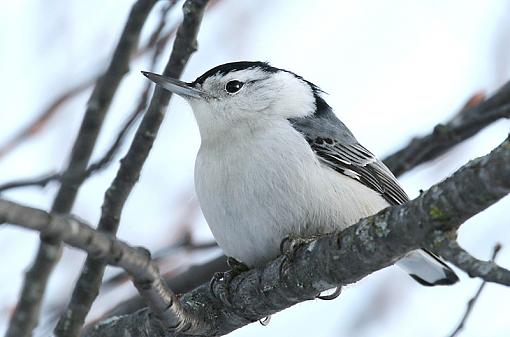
{"x":356,"y":162}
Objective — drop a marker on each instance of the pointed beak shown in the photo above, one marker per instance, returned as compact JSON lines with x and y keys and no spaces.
{"x":177,"y":87}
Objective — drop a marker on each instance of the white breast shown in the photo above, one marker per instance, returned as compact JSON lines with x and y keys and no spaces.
{"x":258,"y":184}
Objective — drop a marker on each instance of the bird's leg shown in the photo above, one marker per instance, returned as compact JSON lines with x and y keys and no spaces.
{"x":288,"y":247}
{"x":236,"y":268}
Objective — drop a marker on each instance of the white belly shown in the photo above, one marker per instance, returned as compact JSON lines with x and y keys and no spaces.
{"x":254,"y":192}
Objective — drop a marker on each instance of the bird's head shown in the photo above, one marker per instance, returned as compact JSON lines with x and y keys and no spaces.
{"x":243,"y":92}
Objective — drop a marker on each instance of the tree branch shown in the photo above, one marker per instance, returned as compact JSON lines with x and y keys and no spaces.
{"x":465,"y":124}
{"x":43,"y":117}
{"x":333,"y":260}
{"x":486,"y":270}
{"x":99,"y":165}
{"x":49,"y":111}
{"x":136,"y":261}
{"x":87,"y":287}
{"x":181,"y":283}
{"x":106,"y":159}
{"x":473,"y":300}
{"x":26,"y":314}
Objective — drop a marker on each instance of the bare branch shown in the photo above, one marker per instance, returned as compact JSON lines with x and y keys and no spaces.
{"x":486,"y":270}
{"x":93,"y":168}
{"x":476,"y":115}
{"x":87,"y":287}
{"x":108,"y":156}
{"x":337,"y":259}
{"x":48,"y":112}
{"x":181,"y":283}
{"x":472,"y":301}
{"x":136,"y":261}
{"x":163,"y":254}
{"x":44,"y":116}
{"x":27,"y":311}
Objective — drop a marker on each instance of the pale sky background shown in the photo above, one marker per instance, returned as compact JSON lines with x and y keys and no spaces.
{"x":393,"y":69}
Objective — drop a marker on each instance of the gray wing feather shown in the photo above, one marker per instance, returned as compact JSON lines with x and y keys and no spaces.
{"x":355,"y":161}
{"x":337,"y":148}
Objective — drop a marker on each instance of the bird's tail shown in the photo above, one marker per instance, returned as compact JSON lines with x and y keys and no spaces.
{"x":427,"y":269}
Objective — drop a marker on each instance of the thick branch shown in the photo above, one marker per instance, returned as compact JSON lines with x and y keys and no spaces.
{"x":462,"y":126}
{"x":27,"y":311}
{"x":336,"y":259}
{"x":131,"y":165}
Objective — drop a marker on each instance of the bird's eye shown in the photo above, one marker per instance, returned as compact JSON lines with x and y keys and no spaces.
{"x":233,"y":86}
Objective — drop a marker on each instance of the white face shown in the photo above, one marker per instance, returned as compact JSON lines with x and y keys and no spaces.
{"x":250,"y":96}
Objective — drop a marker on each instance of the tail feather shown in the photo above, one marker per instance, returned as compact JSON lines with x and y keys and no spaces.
{"x":427,"y":269}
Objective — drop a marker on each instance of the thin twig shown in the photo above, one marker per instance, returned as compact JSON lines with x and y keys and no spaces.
{"x":99,"y":165}
{"x":181,"y":283}
{"x":26,"y":315}
{"x":41,"y":119}
{"x":486,"y":270}
{"x":87,"y":287}
{"x":156,"y":42}
{"x":473,"y":117}
{"x":474,"y":299}
{"x":163,"y":254}
{"x":44,"y":116}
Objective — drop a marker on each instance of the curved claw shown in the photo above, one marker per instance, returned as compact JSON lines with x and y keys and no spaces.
{"x":225,"y":278}
{"x":265,"y":321}
{"x":216,"y":277}
{"x":331,"y":296}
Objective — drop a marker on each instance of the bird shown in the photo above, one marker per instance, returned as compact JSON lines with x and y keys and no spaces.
{"x":276,"y":162}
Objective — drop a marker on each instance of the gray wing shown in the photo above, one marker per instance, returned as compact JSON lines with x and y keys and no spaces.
{"x":337,"y":148}
{"x":355,"y":161}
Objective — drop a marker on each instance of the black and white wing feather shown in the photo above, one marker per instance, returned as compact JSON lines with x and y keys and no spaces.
{"x":337,"y":148}
{"x":355,"y":161}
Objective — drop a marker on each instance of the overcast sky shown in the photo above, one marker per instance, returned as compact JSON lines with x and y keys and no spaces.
{"x":392,"y":70}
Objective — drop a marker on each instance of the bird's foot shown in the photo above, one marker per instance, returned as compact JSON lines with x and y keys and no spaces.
{"x":223,"y":280}
{"x":290,"y":244}
{"x":288,"y":247}
{"x":236,"y":266}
